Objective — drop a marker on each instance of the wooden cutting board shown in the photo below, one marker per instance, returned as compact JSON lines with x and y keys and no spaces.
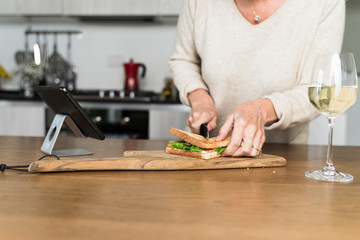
{"x":153,"y":160}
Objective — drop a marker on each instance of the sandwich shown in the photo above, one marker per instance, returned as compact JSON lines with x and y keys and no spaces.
{"x":195,"y":145}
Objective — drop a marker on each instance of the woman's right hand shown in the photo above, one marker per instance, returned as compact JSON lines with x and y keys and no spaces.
{"x":202,"y":111}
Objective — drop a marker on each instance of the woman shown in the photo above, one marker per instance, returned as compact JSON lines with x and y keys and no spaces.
{"x":244,"y":66}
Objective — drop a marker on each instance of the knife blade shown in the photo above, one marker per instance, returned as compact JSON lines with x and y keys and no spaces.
{"x":204,"y":131}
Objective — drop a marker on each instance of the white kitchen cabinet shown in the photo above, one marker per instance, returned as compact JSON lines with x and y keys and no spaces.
{"x":8,"y":7}
{"x":110,"y":7}
{"x":90,"y":7}
{"x":161,"y":121}
{"x":169,"y":7}
{"x":39,"y":7}
{"x":22,"y":118}
{"x":31,"y":7}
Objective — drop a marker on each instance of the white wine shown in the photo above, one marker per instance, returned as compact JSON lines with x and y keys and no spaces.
{"x":332,"y":101}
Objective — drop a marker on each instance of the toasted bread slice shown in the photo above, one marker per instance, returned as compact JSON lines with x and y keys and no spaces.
{"x":199,"y":140}
{"x":206,"y":154}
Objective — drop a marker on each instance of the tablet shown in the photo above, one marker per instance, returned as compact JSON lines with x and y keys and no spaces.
{"x":62,"y":102}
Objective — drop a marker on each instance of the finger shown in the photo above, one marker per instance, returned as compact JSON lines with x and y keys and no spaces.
{"x":249,"y":135}
{"x":200,"y":118}
{"x":256,"y":147}
{"x":236,"y":140}
{"x":212,"y":123}
{"x":189,"y":121}
{"x":194,"y":122}
{"x":225,"y":129}
{"x":238,"y":153}
{"x":250,"y":132}
{"x":259,"y":139}
{"x":263,"y":139}
{"x":241,"y":152}
{"x":233,"y":147}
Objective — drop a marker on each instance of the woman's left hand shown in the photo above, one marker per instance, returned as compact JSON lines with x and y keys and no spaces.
{"x":247,"y":122}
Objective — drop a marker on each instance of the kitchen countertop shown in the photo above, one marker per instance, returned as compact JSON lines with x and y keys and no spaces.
{"x":93,"y":96}
{"x":262,"y":203}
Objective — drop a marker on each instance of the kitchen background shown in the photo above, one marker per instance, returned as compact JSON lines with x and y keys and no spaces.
{"x":113,"y":31}
{"x":105,"y":43}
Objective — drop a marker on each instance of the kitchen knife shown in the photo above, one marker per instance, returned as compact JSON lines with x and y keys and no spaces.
{"x":204,"y":131}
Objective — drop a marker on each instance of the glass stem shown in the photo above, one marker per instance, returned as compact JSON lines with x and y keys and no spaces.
{"x":329,"y":159}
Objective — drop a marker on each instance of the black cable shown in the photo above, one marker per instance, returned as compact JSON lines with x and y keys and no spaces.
{"x":3,"y":166}
{"x":18,"y":168}
{"x":49,"y":155}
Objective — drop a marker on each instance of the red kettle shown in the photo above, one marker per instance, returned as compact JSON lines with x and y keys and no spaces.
{"x":131,"y":74}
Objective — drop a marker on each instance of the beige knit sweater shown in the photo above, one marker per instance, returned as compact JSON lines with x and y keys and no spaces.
{"x":217,"y":49}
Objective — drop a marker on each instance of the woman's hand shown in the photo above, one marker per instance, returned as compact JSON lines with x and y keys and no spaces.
{"x":247,"y":122}
{"x":203,"y":111}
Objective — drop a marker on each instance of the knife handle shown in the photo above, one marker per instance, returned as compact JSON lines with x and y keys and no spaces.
{"x":204,"y":131}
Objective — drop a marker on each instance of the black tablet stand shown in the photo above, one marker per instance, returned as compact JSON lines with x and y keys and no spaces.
{"x":53,"y":133}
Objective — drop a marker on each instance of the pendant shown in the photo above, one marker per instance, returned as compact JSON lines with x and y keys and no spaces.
{"x":257,"y":18}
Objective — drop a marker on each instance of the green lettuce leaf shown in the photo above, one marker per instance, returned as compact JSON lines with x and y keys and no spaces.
{"x":182,"y":145}
{"x":220,"y":150}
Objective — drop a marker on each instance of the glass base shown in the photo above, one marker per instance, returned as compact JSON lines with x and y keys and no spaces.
{"x":329,"y":174}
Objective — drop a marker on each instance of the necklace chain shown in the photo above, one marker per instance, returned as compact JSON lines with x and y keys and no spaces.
{"x":258,"y":16}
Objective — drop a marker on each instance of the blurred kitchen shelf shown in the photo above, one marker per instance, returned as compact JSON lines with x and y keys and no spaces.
{"x":94,"y":96}
{"x":16,"y":95}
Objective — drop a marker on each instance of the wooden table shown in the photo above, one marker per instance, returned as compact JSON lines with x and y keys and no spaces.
{"x":262,"y":203}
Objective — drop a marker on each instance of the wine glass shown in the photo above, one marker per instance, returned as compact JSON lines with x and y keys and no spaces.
{"x":335,"y":91}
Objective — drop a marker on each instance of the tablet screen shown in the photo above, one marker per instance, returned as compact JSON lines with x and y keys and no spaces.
{"x":62,"y":102}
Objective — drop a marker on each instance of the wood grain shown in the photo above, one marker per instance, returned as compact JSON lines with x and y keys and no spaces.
{"x":255,"y":203}
{"x":152,"y":160}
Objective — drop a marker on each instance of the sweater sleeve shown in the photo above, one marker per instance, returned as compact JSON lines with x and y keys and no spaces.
{"x":293,"y":107}
{"x":185,"y":62}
